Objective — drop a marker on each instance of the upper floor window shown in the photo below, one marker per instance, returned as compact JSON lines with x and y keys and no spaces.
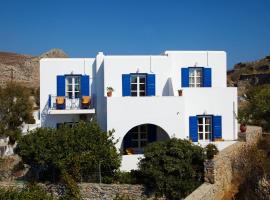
{"x":195,"y":77}
{"x":73,"y":86}
{"x":138,"y":85}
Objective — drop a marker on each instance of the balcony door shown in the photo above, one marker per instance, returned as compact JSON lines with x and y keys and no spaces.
{"x":73,"y":90}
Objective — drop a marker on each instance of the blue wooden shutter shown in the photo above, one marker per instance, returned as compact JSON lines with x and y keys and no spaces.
{"x":193,"y":128}
{"x":152,"y":133}
{"x":185,"y":77}
{"x":207,"y":77}
{"x":126,"y":84}
{"x":61,"y":89}
{"x":85,"y":85}
{"x":151,"y":85}
{"x":217,"y":127}
{"x":49,"y":101}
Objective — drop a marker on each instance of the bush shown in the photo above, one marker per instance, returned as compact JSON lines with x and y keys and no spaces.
{"x":30,"y":192}
{"x":211,"y":150}
{"x":75,"y":151}
{"x":172,"y":168}
{"x":258,"y":109}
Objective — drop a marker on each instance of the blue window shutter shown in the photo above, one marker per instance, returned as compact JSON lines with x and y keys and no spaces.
{"x":151,"y":133}
{"x":217,"y":127}
{"x":50,"y":101}
{"x":61,"y":90}
{"x":85,"y":85}
{"x":185,"y":77}
{"x":151,"y":85}
{"x":207,"y":77}
{"x":193,"y":128}
{"x":126,"y":84}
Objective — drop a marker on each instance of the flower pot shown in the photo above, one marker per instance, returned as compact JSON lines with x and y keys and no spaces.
{"x":180,"y":93}
{"x":109,"y":93}
{"x":243,"y":128}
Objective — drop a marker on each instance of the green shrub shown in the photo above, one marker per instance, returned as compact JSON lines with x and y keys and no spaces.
{"x":257,"y":110}
{"x":172,"y":168}
{"x":211,"y":150}
{"x":30,"y":192}
{"x":77,"y":151}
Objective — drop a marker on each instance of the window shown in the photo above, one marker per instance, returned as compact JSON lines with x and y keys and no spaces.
{"x":69,"y":124}
{"x":138,"y":85}
{"x":73,"y":86}
{"x":139,"y":136}
{"x":204,"y":128}
{"x":195,"y":77}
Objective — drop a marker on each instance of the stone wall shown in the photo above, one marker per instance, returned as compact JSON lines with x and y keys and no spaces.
{"x":228,"y":167}
{"x":92,"y":191}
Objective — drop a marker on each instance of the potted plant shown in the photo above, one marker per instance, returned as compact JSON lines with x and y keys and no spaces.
{"x":109,"y":91}
{"x":180,"y":93}
{"x":243,"y":119}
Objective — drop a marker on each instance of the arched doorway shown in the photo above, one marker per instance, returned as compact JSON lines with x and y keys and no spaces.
{"x":137,"y":138}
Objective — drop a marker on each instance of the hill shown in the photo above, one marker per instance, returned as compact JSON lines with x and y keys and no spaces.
{"x":24,"y":68}
{"x":248,"y":74}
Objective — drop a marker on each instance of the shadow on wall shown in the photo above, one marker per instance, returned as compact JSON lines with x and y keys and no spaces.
{"x":168,"y":88}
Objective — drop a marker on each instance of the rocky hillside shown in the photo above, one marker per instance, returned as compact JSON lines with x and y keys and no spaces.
{"x":248,"y":74}
{"x":24,"y":68}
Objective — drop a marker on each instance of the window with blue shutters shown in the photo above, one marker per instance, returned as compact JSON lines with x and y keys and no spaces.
{"x":205,"y":128}
{"x":138,"y":85}
{"x":196,"y":77}
{"x":73,"y":86}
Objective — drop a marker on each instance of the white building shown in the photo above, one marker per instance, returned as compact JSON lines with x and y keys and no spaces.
{"x":145,"y":105}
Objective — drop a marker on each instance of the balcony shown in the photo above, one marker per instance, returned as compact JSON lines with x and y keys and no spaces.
{"x":64,"y":105}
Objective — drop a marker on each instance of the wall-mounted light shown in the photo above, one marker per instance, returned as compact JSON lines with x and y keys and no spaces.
{"x":138,"y":70}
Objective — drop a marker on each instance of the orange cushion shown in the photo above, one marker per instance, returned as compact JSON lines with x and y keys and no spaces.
{"x":60,"y":100}
{"x":86,"y":99}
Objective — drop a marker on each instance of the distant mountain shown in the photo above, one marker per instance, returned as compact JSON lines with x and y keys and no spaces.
{"x":247,"y":74}
{"x":24,"y":68}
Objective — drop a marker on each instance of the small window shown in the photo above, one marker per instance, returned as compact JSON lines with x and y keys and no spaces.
{"x":138,"y":85}
{"x":73,"y":86}
{"x":195,"y":77}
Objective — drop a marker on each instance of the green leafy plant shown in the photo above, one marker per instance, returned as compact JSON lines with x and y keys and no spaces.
{"x":77,"y":151}
{"x":15,"y":109}
{"x":211,"y":150}
{"x":172,"y":168}
{"x":110,"y":89}
{"x":29,"y":192}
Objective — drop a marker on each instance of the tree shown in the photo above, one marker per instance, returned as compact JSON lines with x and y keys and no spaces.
{"x":258,"y":108}
{"x":172,"y":168}
{"x":76,"y":151}
{"x":15,"y":109}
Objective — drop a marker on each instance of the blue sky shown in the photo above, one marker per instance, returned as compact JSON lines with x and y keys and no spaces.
{"x":83,"y":27}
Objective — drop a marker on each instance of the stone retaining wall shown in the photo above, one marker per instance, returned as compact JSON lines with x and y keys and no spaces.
{"x":227,"y":167}
{"x":92,"y":191}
